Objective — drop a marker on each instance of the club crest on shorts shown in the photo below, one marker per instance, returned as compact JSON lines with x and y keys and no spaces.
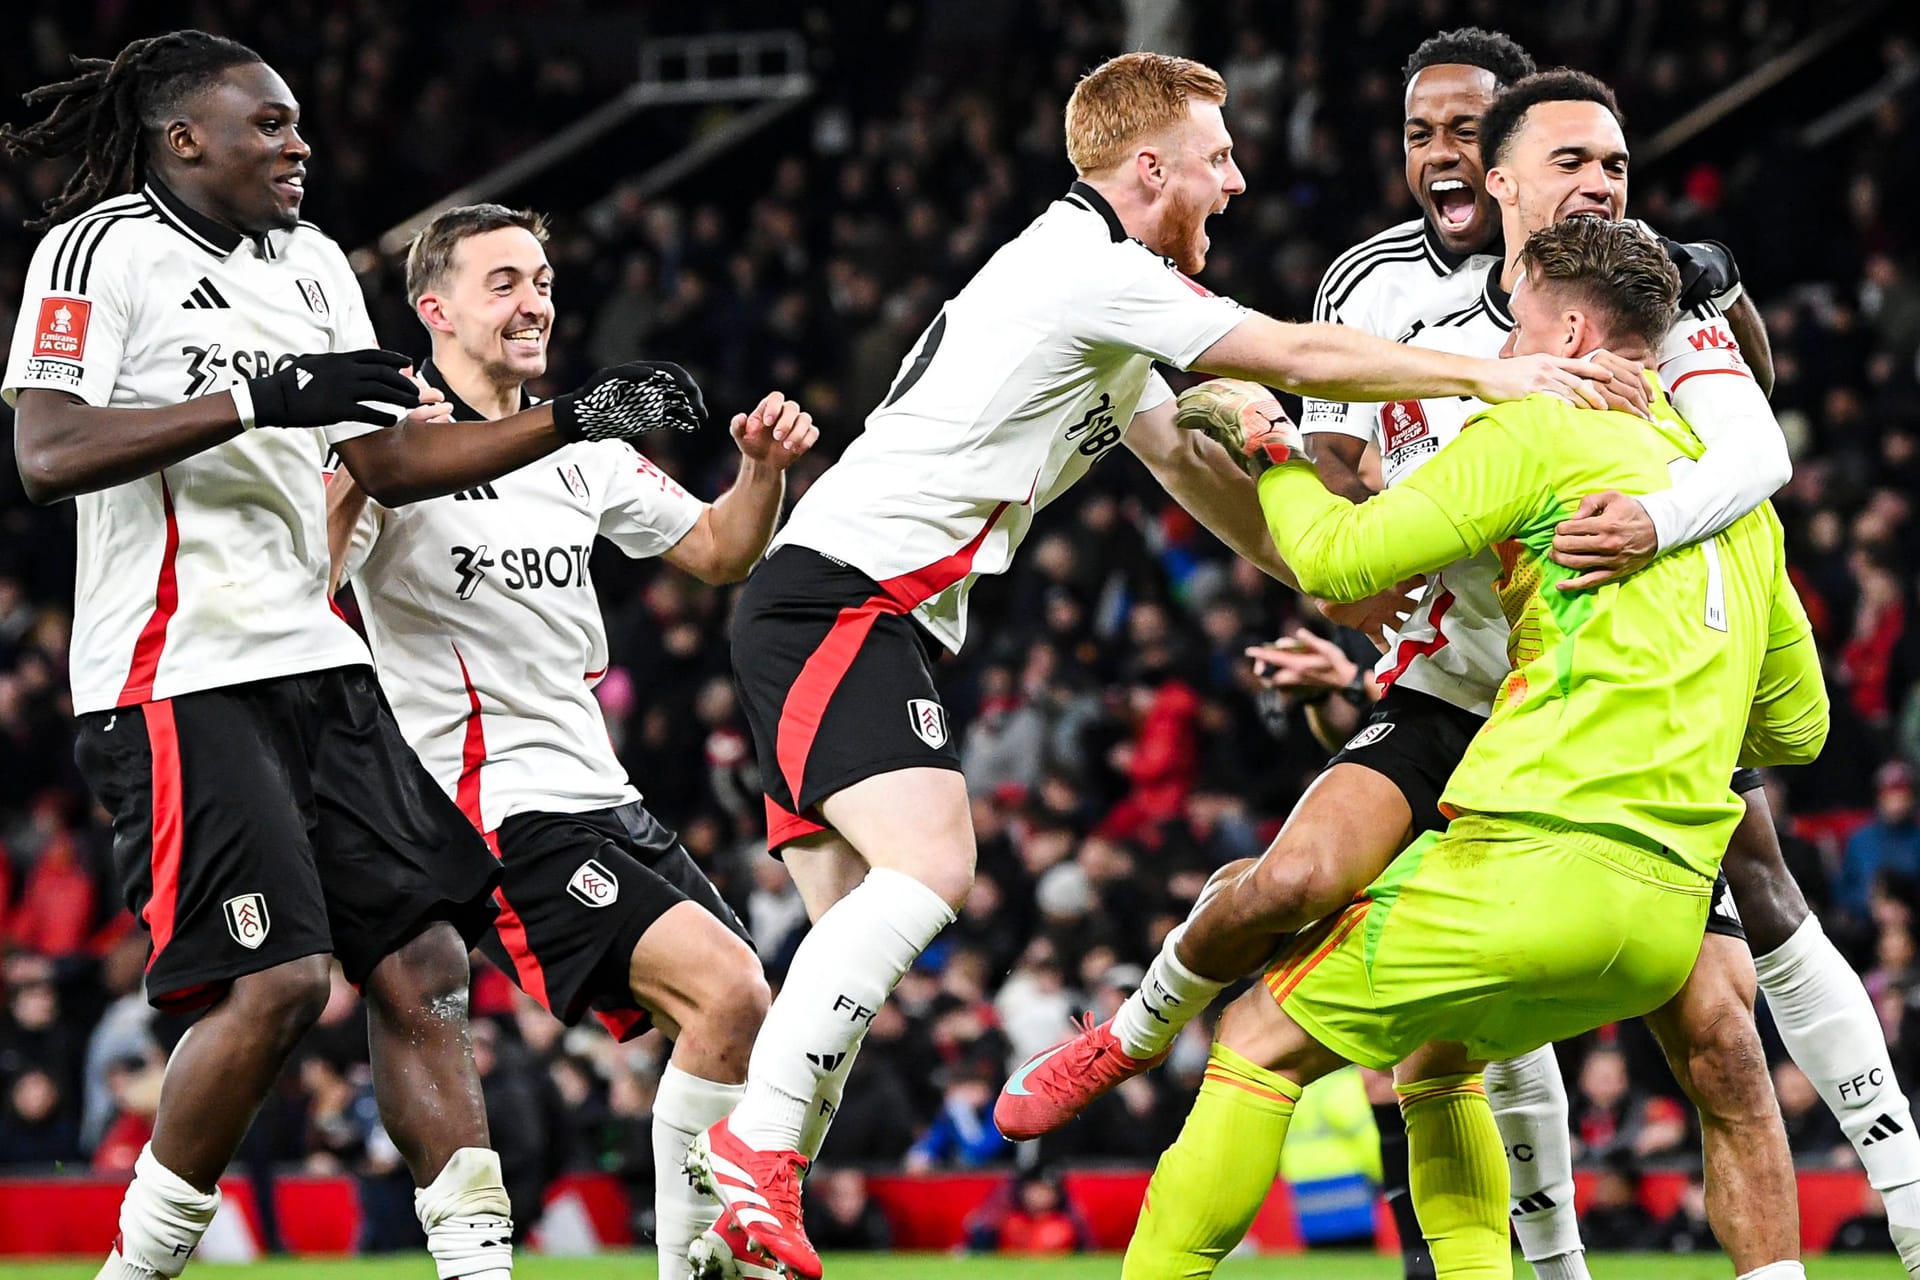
{"x":594,"y":885}
{"x":929,"y":720}
{"x":1368,"y":736}
{"x":247,"y":919}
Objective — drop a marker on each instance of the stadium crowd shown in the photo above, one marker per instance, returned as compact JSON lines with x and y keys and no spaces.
{"x":1118,"y":746}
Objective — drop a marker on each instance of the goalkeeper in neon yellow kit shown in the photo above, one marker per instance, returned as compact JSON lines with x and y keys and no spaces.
{"x":1589,"y":814}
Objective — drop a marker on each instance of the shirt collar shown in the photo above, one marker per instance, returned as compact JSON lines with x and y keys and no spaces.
{"x":462,"y":411}
{"x":1445,"y":261}
{"x":210,"y":234}
{"x":1499,"y":302}
{"x":1086,"y":197}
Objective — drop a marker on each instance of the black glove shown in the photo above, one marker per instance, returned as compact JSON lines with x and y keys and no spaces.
{"x":318,"y":391}
{"x":1707,"y":270}
{"x":630,"y":400}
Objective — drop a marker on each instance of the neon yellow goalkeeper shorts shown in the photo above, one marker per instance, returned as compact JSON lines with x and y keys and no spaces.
{"x":1499,"y":934}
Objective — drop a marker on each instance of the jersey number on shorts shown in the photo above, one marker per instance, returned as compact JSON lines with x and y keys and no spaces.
{"x":1716,"y":610}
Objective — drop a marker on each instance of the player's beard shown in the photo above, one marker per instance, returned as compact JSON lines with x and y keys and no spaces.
{"x":1189,"y":238}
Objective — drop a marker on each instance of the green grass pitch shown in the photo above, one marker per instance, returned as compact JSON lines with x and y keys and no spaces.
{"x":913,"y":1266}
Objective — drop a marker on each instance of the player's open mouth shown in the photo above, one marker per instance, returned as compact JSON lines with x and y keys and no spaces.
{"x":291,"y":187}
{"x":1453,"y":203}
{"x":1586,"y":209}
{"x":524,"y":337}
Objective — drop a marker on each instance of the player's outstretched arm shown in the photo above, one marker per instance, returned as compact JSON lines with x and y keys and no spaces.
{"x":1197,"y":473}
{"x":1334,"y":362}
{"x":346,"y":502}
{"x":733,"y":531}
{"x":65,"y":446}
{"x":417,"y":460}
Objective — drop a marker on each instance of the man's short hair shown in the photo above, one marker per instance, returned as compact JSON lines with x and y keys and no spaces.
{"x":1125,"y":98}
{"x":1614,"y":267}
{"x":1501,"y":121}
{"x":430,"y":255}
{"x":1494,"y":52}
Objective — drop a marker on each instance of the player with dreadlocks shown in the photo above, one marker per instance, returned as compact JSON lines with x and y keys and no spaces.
{"x":267,"y":813}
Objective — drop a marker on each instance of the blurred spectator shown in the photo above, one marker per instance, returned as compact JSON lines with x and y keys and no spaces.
{"x":133,"y":1086}
{"x":1610,"y":1116}
{"x":841,"y":1216}
{"x":37,"y":1127}
{"x":1888,"y":846}
{"x":1029,"y":1214}
{"x":1686,"y":1230}
{"x":962,"y":1135}
{"x":1614,"y":1217}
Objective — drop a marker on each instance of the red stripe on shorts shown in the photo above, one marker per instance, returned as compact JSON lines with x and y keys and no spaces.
{"x":828,"y":664}
{"x":169,"y":825}
{"x":166,"y":599}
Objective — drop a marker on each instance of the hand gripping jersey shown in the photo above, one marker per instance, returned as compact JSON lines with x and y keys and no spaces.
{"x":1454,"y":644}
{"x":486,"y":629}
{"x":1626,"y":707}
{"x":213,"y":571}
{"x":1025,"y":379}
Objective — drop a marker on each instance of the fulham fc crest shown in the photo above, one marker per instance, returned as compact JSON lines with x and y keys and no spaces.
{"x":247,"y":920}
{"x":1369,"y":735}
{"x":594,"y":885}
{"x":929,"y":720}
{"x":311,"y":293}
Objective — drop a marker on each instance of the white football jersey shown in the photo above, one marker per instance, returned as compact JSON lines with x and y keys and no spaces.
{"x":1454,"y":645}
{"x":486,"y":629}
{"x":212,"y":571}
{"x":1379,"y":286}
{"x":1026,"y":378}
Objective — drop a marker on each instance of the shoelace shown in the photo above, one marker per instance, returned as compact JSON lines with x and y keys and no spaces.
{"x":783,"y":1191}
{"x":1077,"y":1060}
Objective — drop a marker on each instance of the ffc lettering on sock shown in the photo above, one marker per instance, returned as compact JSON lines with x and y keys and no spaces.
{"x":1170,"y":996}
{"x":1829,"y":1026}
{"x":843,"y":971}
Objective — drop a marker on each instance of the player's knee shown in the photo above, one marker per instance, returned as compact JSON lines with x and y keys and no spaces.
{"x":1726,"y":1073}
{"x":429,"y":971}
{"x":286,"y":1000}
{"x":1295,"y":885}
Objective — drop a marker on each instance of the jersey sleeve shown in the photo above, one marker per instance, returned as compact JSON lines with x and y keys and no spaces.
{"x":1788,"y":722}
{"x":1157,"y":393}
{"x":1746,"y":459}
{"x":1337,"y":416}
{"x":75,"y":313}
{"x":1142,"y":304}
{"x":352,"y":332}
{"x":644,"y":511}
{"x":1482,"y":488}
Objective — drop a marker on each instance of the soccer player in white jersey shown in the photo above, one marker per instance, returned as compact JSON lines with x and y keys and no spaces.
{"x":488,"y":639}
{"x":1037,"y":368}
{"x":267,"y":813}
{"x":1555,"y":140}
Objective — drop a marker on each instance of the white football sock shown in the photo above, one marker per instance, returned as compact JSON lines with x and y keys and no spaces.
{"x":846,"y":966}
{"x":684,"y":1107}
{"x":467,"y":1218}
{"x":1903,"y":1223}
{"x":162,"y":1218}
{"x":1562,"y":1266}
{"x":1529,"y":1102}
{"x":826,"y":1103}
{"x":1170,"y":996}
{"x":1789,"y":1270}
{"x":1829,"y":1026}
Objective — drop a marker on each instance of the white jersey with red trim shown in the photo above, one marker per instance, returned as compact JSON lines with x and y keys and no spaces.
{"x":486,"y":629}
{"x":1027,"y":377}
{"x":1454,"y":645}
{"x":213,"y":571}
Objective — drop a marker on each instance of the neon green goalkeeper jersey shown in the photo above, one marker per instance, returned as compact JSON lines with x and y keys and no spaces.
{"x":1627,"y":707}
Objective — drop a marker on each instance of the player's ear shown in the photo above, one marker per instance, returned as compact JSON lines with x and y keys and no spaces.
{"x":1149,"y":165}
{"x":432,"y":310}
{"x":180,"y":138}
{"x":1500,"y":186}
